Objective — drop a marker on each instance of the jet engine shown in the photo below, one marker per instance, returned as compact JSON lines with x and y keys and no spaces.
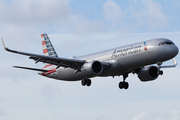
{"x":148,"y":73}
{"x":92,"y":68}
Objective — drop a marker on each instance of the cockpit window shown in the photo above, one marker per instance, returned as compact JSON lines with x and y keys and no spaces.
{"x":166,"y":43}
{"x":163,"y":43}
{"x":170,"y":43}
{"x":160,"y":43}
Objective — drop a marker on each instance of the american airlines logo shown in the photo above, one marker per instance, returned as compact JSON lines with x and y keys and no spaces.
{"x":126,"y":51}
{"x":145,"y":48}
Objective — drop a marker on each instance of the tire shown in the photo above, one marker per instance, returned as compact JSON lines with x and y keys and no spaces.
{"x":88,"y":82}
{"x":126,"y":85}
{"x":83,"y":82}
{"x":161,"y":72}
{"x":121,"y":85}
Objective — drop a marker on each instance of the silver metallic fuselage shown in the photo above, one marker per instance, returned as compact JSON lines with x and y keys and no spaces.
{"x":122,"y":59}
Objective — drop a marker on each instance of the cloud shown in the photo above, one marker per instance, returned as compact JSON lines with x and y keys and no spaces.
{"x":155,"y":115}
{"x":176,"y":4}
{"x":2,"y":112}
{"x":34,"y":12}
{"x":112,"y":12}
{"x":30,"y":17}
{"x":83,"y":25}
{"x":149,"y":15}
{"x":50,"y":90}
{"x":23,"y":21}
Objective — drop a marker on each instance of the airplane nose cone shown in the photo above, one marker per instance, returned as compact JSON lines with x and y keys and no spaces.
{"x":175,"y":51}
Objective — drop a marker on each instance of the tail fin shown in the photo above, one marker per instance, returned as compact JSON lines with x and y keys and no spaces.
{"x":48,"y":48}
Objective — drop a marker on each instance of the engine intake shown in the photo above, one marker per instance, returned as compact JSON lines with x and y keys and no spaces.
{"x":148,"y":73}
{"x":97,"y":67}
{"x":92,"y":68}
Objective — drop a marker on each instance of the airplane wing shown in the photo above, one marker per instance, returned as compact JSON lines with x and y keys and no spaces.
{"x":64,"y":62}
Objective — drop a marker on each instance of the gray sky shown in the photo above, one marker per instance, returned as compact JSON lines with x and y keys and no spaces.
{"x":76,"y":28}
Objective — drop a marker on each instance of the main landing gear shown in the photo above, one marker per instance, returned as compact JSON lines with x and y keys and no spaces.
{"x":86,"y":81}
{"x":124,"y":84}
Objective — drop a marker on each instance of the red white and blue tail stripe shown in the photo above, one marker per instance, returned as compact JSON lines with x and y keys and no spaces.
{"x":48,"y":48}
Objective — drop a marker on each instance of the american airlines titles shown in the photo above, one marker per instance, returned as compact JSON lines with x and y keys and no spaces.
{"x":126,"y":51}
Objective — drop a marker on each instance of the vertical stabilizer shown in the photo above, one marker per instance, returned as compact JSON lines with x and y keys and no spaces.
{"x":48,"y":48}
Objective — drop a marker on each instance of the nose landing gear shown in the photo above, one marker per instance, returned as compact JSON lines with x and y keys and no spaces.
{"x":160,"y":72}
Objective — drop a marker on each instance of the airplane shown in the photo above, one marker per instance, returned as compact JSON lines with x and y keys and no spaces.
{"x":139,"y":58}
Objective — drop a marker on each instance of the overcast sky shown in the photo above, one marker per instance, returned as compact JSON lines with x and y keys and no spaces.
{"x":79,"y":27}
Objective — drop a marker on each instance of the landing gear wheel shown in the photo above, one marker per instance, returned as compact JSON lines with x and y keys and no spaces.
{"x":88,"y":82}
{"x":121,"y":85}
{"x":126,"y":85}
{"x":161,"y":72}
{"x":83,"y":82}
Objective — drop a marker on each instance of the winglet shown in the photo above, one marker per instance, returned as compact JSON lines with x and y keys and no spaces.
{"x":6,"y":48}
{"x":174,"y":62}
{"x":170,"y":66}
{"x":4,"y":44}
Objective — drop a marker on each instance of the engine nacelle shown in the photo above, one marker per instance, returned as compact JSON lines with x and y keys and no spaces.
{"x":148,"y":73}
{"x":92,"y":68}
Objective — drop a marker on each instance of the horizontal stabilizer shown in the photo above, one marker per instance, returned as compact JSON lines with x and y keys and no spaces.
{"x":41,"y":70}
